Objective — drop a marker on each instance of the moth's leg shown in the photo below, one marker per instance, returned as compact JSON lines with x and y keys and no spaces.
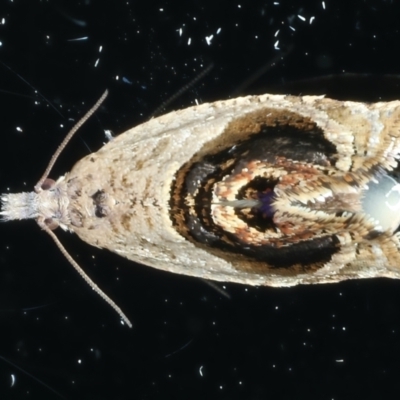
{"x":109,"y":135}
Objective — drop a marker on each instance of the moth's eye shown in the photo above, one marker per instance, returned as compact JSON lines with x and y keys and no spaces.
{"x":382,"y":202}
{"x":51,"y":223}
{"x":48,"y":184}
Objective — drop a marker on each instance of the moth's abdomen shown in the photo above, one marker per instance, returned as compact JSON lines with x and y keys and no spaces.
{"x":264,"y":190}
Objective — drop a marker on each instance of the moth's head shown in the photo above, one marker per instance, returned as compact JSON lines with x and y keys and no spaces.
{"x":47,"y":205}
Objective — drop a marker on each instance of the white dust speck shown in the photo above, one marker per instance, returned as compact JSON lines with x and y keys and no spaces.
{"x":78,"y":39}
{"x":126,"y":80}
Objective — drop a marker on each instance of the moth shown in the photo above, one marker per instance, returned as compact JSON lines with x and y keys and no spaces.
{"x":271,"y":190}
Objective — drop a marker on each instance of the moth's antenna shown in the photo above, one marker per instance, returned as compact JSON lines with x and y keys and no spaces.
{"x":32,"y":377}
{"x":32,"y":87}
{"x":279,"y":58}
{"x":67,"y":138}
{"x":217,"y":288}
{"x":182,"y":90}
{"x":46,"y":228}
{"x":82,"y":273}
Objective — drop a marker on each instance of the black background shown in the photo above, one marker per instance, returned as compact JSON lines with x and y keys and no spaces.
{"x":58,"y":339}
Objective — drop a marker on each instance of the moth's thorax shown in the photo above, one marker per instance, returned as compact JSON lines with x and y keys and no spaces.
{"x":116,"y":199}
